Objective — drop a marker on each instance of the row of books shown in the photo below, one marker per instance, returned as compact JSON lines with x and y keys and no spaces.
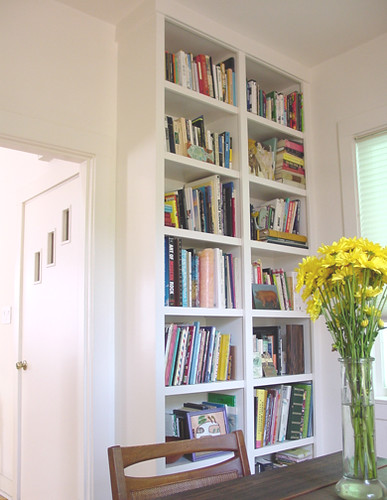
{"x":279,"y":214}
{"x":278,"y":350}
{"x":196,"y":354}
{"x":199,"y":278}
{"x":193,"y":139}
{"x":285,"y":109}
{"x":201,"y":74}
{"x":274,"y":288}
{"x":206,"y":205}
{"x":283,"y":412}
{"x":277,"y":221}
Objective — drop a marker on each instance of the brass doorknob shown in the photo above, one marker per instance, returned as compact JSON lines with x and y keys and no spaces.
{"x":21,"y":364}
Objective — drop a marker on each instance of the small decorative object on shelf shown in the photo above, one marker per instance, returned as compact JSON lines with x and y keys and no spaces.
{"x":346,"y":284}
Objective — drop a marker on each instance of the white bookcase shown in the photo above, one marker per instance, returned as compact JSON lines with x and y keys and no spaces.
{"x":144,"y":164}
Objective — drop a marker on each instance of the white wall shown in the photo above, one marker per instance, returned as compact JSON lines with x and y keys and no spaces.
{"x":341,"y":88}
{"x":58,"y":89}
{"x":381,"y":428}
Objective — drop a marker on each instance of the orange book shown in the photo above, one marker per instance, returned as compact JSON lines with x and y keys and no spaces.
{"x":206,"y":277}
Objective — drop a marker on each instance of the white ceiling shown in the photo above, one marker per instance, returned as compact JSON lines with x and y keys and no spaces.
{"x":309,"y":31}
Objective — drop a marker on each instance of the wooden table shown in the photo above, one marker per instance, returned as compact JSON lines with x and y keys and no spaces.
{"x":313,"y":479}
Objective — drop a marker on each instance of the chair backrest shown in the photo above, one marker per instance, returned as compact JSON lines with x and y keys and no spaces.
{"x":126,"y":487}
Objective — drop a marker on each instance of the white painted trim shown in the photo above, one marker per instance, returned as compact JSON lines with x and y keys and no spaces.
{"x":89,"y":188}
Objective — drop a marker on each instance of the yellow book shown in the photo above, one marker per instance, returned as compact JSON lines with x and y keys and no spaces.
{"x":284,"y":156}
{"x":171,"y":199}
{"x":261,"y":397}
{"x":262,"y":234}
{"x":223,"y":356}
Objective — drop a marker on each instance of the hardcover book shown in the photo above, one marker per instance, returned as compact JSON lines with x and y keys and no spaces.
{"x":295,"y":349}
{"x":265,"y":297}
{"x":260,"y":404}
{"x":208,"y":422}
{"x":296,"y":413}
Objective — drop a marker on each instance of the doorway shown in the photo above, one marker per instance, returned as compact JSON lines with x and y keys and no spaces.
{"x":50,"y":329}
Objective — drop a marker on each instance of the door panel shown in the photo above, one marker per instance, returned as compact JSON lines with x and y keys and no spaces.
{"x":52,"y":344}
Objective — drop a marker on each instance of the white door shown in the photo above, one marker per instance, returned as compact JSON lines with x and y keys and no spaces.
{"x":52,"y":346}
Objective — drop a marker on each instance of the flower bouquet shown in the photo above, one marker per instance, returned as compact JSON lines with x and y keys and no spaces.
{"x":345,"y":284}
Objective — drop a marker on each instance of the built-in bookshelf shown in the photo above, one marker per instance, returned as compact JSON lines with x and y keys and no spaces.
{"x":184,"y":163}
{"x":219,"y":114}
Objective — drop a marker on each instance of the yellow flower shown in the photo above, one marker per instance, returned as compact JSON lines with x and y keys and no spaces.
{"x":342,"y":273}
{"x":370,"y":291}
{"x":313,"y":310}
{"x":347,"y":283}
{"x":381,"y":323}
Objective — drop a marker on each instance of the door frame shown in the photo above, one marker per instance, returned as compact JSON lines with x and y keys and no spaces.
{"x":87,"y":178}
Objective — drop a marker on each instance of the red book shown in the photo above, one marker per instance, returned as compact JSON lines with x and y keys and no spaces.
{"x":203,"y":77}
{"x":171,"y":270}
{"x":170,"y":355}
{"x":285,"y":143}
{"x":188,"y":359}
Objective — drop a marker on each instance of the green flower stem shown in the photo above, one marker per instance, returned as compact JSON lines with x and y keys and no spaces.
{"x":359,"y":380}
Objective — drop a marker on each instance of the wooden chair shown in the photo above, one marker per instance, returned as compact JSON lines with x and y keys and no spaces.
{"x":126,"y":487}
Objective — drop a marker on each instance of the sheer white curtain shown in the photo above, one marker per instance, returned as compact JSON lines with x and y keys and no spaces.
{"x":371,"y":159}
{"x":371,"y":170}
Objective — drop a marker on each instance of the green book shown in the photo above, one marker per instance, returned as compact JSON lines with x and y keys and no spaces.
{"x":217,"y":397}
{"x":296,"y":413}
{"x":306,"y":418}
{"x":229,"y":401}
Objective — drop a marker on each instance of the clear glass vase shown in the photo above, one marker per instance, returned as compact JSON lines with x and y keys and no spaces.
{"x":360,"y":473}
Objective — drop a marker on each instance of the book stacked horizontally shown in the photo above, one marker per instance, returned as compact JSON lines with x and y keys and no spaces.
{"x":282,"y":237}
{"x":289,"y":163}
{"x":293,"y":456}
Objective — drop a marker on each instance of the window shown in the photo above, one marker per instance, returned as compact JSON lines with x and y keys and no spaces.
{"x":359,"y":143}
{"x":371,"y":162}
{"x":371,"y":169}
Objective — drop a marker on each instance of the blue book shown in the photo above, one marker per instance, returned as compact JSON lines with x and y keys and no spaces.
{"x":173,"y":367}
{"x":210,"y":353}
{"x":226,"y":136}
{"x":234,"y":96}
{"x":184,"y":277}
{"x":195,"y":352}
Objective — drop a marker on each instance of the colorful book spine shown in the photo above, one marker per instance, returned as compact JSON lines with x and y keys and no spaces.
{"x":260,"y":399}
